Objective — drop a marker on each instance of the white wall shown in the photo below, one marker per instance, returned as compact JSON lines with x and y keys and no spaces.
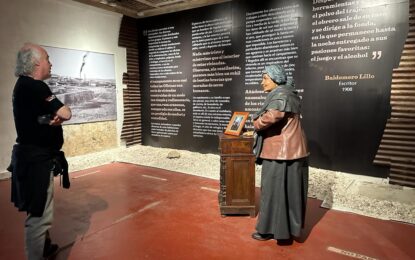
{"x":57,"y":23}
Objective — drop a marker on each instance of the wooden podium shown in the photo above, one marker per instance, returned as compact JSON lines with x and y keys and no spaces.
{"x":237,"y":175}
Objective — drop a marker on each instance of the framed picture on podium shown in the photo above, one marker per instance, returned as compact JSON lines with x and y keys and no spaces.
{"x":236,"y":124}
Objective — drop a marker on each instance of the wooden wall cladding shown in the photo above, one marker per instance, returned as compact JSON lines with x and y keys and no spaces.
{"x":397,"y":147}
{"x":128,"y":38}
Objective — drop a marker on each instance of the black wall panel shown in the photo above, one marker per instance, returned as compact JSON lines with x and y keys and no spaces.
{"x":199,"y":66}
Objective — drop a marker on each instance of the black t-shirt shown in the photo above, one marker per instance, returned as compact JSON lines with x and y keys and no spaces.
{"x":29,"y":102}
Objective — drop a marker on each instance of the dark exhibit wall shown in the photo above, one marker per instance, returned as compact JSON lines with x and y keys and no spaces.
{"x":199,"y":66}
{"x":189,"y":67}
{"x":354,"y":48}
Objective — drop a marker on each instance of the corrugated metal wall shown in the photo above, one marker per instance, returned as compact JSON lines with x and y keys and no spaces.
{"x":397,"y":147}
{"x":128,"y":38}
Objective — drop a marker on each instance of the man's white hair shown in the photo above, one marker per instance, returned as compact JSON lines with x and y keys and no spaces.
{"x":27,"y":57}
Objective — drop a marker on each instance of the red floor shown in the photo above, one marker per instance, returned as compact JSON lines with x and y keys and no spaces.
{"x":125,"y":211}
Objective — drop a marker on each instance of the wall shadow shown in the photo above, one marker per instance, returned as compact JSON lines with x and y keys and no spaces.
{"x":318,"y":158}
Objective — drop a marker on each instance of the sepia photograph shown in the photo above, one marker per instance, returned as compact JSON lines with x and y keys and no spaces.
{"x":85,"y":81}
{"x":236,"y":123}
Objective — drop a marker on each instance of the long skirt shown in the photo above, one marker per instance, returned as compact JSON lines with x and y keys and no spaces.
{"x":284,"y":186}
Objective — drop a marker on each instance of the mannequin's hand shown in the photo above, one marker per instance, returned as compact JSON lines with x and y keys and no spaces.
{"x":248,"y":133}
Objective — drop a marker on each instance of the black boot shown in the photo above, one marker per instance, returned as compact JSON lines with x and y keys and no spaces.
{"x":262,"y":237}
{"x":285,"y":242}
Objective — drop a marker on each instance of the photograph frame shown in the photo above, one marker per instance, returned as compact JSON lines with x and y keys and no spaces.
{"x":85,"y":81}
{"x":236,"y":123}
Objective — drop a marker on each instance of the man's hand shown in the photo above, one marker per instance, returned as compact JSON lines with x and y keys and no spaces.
{"x":56,"y":121}
{"x":64,"y":113}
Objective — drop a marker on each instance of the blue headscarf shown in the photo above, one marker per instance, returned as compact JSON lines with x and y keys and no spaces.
{"x":276,"y":73}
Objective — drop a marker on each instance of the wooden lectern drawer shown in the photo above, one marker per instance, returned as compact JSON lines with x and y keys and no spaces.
{"x":235,"y":145}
